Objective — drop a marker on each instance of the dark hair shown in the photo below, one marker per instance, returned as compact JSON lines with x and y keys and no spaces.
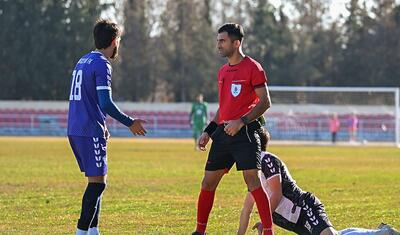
{"x":235,"y":31}
{"x":104,"y":32}
{"x":264,"y":138}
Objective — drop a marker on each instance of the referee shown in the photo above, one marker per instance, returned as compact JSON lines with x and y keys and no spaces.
{"x":243,"y":97}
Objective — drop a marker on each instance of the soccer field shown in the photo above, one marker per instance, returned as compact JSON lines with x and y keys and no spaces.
{"x":153,"y":186}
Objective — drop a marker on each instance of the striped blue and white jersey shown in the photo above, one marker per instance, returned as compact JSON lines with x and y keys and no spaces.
{"x":85,"y":117}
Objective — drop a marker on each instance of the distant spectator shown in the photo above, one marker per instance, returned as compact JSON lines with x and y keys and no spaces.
{"x":352,"y":125}
{"x":334,"y":125}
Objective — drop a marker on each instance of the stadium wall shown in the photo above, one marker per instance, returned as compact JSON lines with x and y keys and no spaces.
{"x":185,"y":107}
{"x":286,"y":122}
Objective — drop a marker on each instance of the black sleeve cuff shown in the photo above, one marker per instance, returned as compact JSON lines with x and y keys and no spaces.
{"x":211,"y":127}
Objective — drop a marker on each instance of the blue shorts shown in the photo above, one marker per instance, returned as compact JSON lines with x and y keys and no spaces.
{"x":91,"y":154}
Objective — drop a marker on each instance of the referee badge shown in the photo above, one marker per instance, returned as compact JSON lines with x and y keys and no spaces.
{"x":235,"y":89}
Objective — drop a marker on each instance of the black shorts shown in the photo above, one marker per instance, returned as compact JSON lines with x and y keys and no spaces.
{"x":243,"y":149}
{"x":313,"y":218}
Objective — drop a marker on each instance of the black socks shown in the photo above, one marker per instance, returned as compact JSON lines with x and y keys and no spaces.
{"x":91,"y":206}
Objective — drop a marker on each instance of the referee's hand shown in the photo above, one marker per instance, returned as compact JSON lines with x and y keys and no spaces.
{"x":202,"y":141}
{"x":136,"y":128}
{"x":232,"y":127}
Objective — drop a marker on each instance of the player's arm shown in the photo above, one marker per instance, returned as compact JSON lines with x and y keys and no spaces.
{"x":275,"y":186}
{"x":102,"y":71}
{"x":107,"y":104}
{"x":271,"y":180}
{"x":245,"y":214}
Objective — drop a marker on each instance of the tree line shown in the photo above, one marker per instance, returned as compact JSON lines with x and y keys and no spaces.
{"x":168,"y":50}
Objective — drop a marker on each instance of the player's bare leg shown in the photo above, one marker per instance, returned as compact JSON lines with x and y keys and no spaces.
{"x":251,"y":179}
{"x":211,"y":179}
{"x":97,"y":179}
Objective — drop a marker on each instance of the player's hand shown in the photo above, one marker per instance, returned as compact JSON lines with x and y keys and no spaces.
{"x":137,"y":128}
{"x":202,"y":141}
{"x":106,"y":134}
{"x":259,"y":228}
{"x":232,"y":127}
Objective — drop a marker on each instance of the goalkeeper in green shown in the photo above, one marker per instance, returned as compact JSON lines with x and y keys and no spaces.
{"x":198,"y":117}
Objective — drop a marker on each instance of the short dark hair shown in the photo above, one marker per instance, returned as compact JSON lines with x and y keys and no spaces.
{"x":264,"y":138}
{"x":104,"y":32}
{"x":235,"y":31}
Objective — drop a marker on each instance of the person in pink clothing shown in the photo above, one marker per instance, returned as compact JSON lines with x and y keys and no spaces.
{"x":334,"y":125}
{"x":352,"y":126}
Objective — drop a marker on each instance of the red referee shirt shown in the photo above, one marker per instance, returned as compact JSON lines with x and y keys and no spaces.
{"x":236,"y":86}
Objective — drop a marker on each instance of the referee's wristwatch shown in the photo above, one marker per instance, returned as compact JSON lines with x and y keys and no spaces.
{"x":245,"y":120}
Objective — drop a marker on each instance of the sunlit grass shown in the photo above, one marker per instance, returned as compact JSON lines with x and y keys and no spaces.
{"x":153,"y":186}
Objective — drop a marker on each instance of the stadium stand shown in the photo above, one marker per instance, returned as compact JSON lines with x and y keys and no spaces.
{"x":175,"y":124}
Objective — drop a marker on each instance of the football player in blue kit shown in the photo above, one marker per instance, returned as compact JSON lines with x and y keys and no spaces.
{"x":294,"y":209}
{"x":90,"y":101}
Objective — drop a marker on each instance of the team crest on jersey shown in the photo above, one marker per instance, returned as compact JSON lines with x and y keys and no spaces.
{"x":235,"y":89}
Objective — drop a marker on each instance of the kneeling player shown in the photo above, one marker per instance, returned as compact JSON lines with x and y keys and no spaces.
{"x":293,"y":209}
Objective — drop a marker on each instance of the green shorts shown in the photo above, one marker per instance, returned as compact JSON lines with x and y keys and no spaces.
{"x":197,"y":130}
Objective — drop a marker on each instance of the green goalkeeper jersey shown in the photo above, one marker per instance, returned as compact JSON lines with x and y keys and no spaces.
{"x":198,"y":114}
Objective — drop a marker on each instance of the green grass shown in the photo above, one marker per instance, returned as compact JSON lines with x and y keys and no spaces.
{"x":153,"y":186}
